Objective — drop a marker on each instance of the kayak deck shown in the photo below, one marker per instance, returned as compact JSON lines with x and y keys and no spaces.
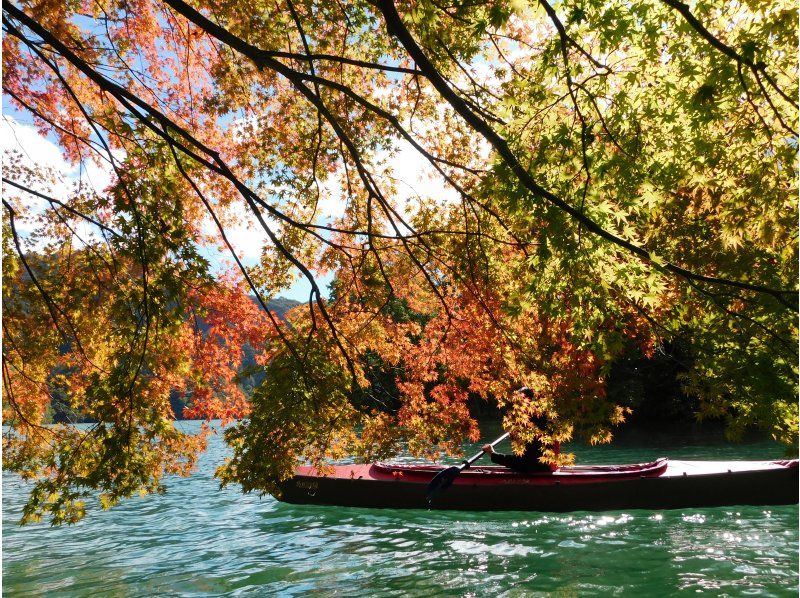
{"x":493,"y":474}
{"x":660,"y":484}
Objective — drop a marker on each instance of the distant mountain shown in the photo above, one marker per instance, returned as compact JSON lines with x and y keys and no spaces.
{"x":280,"y":305}
{"x":60,"y":412}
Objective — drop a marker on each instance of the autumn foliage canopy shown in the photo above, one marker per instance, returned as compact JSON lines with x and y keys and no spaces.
{"x":589,"y":179}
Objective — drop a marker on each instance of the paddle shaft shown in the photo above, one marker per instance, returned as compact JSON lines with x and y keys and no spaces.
{"x":472,"y":460}
{"x":444,"y":478}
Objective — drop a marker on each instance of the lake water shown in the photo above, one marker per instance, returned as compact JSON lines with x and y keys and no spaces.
{"x":200,"y":541}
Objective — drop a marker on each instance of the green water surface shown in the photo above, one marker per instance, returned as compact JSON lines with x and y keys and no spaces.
{"x":200,"y":541}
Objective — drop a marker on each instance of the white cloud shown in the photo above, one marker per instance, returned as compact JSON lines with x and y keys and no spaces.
{"x":23,"y":147}
{"x":37,"y":152}
{"x":414,"y":179}
{"x":332,"y":202}
{"x":246,"y":236}
{"x":417,"y":180}
{"x":98,"y":177}
{"x":36,"y":149}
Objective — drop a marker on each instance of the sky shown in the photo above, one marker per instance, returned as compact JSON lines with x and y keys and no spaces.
{"x":413,"y":174}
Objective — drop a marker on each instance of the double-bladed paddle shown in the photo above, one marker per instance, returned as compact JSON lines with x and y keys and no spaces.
{"x":444,"y":478}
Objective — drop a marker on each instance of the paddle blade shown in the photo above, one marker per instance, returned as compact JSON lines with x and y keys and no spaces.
{"x":442,"y":482}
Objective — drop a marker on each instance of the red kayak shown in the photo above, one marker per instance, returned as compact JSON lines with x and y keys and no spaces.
{"x":661,"y":484}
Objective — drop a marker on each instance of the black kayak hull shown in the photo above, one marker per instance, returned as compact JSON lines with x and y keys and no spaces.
{"x":694,"y":487}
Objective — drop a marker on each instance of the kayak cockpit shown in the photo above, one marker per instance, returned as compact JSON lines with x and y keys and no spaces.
{"x":496,"y":472}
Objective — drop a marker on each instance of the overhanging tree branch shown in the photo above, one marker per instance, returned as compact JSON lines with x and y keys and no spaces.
{"x":397,"y":29}
{"x":756,"y":67}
